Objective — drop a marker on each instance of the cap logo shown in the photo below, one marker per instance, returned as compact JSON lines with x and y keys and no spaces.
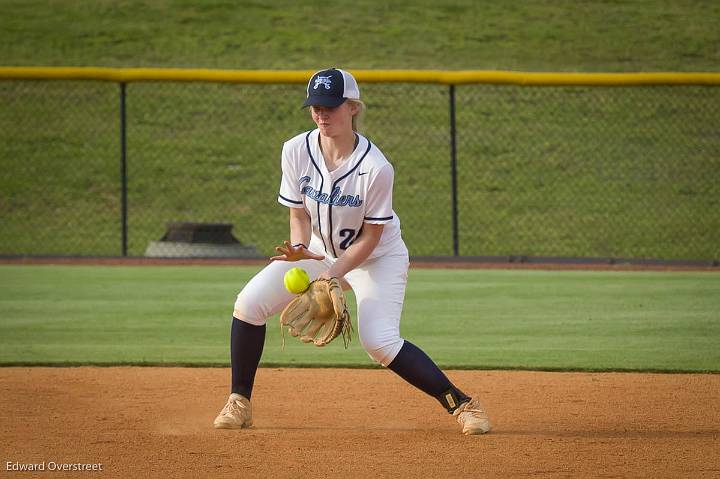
{"x":320,"y":80}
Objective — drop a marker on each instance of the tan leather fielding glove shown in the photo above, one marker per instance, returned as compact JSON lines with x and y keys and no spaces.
{"x":318,"y":315}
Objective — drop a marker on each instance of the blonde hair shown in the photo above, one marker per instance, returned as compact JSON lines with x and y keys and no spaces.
{"x":357,"y":117}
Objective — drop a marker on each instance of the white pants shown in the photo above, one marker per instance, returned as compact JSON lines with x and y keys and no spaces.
{"x":379,"y":287}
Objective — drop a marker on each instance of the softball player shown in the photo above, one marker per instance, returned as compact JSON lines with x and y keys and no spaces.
{"x":338,"y":188}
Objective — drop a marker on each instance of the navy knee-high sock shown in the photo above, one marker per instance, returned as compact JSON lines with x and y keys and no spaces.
{"x":416,"y":367}
{"x":246,"y":347}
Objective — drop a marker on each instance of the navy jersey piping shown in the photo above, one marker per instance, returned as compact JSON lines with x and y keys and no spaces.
{"x":378,"y":219}
{"x":291,"y":201}
{"x":322,"y":181}
{"x":332,"y":243}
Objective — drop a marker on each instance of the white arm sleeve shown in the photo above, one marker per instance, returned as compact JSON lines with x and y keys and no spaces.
{"x":289,"y":187}
{"x":379,"y":199}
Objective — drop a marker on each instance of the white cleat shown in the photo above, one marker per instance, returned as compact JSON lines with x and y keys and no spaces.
{"x":236,"y":414}
{"x":472,"y":417}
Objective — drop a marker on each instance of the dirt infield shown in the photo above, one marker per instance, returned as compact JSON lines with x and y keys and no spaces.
{"x":157,"y":422}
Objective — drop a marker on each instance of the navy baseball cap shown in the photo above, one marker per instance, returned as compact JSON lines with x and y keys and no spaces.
{"x":331,"y":88}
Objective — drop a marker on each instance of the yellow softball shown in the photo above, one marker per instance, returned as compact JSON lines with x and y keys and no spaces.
{"x":296,"y":280}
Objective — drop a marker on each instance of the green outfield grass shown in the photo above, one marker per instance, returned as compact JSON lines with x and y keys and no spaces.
{"x":657,"y":321}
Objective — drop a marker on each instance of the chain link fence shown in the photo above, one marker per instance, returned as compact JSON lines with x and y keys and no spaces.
{"x":622,"y":172}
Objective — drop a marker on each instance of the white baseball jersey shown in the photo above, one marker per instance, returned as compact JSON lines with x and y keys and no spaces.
{"x":340,"y":201}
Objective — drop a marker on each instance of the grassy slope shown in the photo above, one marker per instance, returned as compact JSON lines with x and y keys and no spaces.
{"x":466,"y":34}
{"x":645,"y":161}
{"x":475,"y":319}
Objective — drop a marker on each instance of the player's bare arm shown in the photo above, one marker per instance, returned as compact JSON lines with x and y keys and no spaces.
{"x":300,"y":230}
{"x":357,"y":253}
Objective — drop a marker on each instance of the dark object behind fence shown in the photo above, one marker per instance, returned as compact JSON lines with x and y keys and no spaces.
{"x":200,"y":240}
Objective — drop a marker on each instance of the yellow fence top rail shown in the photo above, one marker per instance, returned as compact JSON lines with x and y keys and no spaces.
{"x":443,"y":77}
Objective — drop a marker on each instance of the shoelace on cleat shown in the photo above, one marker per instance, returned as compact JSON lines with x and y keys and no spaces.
{"x":472,"y":408}
{"x":233,"y":406}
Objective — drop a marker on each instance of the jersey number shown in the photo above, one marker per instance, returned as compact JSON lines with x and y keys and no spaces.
{"x":349,"y":235}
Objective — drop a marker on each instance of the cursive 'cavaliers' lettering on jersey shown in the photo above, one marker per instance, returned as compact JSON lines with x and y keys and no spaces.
{"x":339,"y":202}
{"x":336,"y":198}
